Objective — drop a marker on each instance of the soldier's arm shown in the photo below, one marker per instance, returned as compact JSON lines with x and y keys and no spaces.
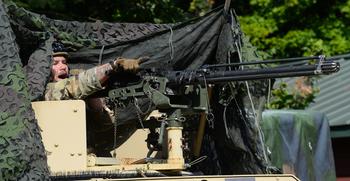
{"x":76,"y":87}
{"x":90,"y":81}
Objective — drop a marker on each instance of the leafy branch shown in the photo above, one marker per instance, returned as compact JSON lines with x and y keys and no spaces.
{"x":302,"y":94}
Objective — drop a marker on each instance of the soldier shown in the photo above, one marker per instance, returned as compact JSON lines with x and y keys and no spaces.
{"x":63,"y":87}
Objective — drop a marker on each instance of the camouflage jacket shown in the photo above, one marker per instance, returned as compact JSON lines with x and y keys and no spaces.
{"x":75,"y":87}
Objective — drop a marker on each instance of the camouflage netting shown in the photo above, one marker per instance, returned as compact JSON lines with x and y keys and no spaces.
{"x":21,"y":149}
{"x":231,"y":142}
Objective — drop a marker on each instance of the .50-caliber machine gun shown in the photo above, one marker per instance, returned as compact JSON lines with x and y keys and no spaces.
{"x":178,"y":94}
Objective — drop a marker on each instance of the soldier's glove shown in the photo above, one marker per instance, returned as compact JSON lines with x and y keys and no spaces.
{"x":125,"y":64}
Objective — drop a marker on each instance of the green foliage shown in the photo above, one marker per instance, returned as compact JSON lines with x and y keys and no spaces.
{"x":298,"y":98}
{"x":153,"y":11}
{"x":156,"y":11}
{"x":200,"y":7}
{"x":298,"y":27}
{"x":138,"y":11}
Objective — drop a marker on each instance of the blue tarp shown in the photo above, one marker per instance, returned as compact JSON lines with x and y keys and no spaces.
{"x":299,"y":142}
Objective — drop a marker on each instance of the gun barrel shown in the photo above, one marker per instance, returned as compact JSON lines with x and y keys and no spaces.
{"x":256,"y":76}
{"x":192,"y":77}
{"x":259,"y":62}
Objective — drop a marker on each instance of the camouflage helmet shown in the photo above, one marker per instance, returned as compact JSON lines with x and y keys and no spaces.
{"x":59,"y":49}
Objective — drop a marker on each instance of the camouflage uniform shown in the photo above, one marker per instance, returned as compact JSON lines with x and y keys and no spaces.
{"x":75,"y":87}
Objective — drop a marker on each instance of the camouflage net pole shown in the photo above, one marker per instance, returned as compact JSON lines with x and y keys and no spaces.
{"x":21,"y":149}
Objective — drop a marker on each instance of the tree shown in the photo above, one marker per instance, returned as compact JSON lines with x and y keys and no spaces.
{"x":297,"y":27}
{"x":153,"y":11}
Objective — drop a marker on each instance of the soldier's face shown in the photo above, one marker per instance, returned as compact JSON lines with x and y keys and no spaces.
{"x":59,"y":69}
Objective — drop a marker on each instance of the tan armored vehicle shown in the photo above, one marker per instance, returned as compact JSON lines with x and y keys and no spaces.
{"x":64,"y":138}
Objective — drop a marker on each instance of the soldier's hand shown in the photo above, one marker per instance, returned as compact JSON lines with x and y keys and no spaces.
{"x":126,"y":64}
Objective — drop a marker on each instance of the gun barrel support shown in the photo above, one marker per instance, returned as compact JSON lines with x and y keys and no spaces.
{"x":174,"y":137}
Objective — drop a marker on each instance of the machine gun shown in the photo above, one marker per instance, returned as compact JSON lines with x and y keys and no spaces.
{"x":181,"y":93}
{"x":154,"y":82}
